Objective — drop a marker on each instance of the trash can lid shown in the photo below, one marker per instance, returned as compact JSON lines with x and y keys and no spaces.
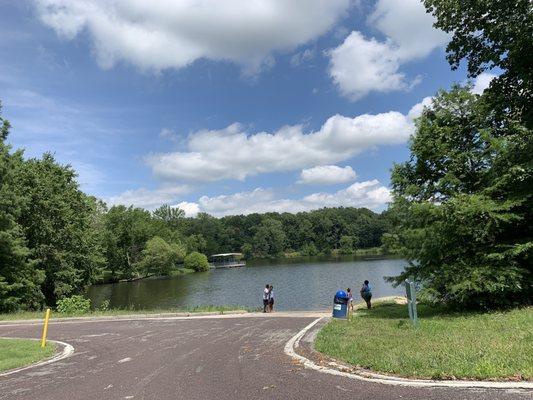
{"x":341,"y":294}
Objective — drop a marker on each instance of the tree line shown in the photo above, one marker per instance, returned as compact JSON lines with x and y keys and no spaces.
{"x":55,"y":240}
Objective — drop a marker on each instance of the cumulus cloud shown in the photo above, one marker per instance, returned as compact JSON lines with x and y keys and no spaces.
{"x":408,"y":26}
{"x":361,"y":65}
{"x":172,"y":34}
{"x":149,"y":199}
{"x":327,"y":175}
{"x":482,"y":82}
{"x":190,"y":209}
{"x":232,"y":153}
{"x":370,"y":194}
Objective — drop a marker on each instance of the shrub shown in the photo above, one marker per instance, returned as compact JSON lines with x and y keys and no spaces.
{"x":196,"y":261}
{"x":74,"y":305}
{"x":104,"y":306}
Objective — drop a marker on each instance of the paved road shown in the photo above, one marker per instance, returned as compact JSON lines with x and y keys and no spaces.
{"x":229,"y":358}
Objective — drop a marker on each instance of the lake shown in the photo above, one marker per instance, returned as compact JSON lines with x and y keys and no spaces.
{"x":298,"y":285}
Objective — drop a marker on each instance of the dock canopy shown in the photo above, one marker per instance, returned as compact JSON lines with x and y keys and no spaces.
{"x":227,"y":260}
{"x":227,"y":255}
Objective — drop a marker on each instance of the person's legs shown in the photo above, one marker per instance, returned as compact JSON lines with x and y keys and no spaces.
{"x":271,"y":305}
{"x":367,"y":298}
{"x":265,"y":305}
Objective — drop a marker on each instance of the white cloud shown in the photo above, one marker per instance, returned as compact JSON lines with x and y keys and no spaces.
{"x":172,"y":34}
{"x":232,"y":153}
{"x":327,"y":175}
{"x":482,"y":82}
{"x":408,"y":26}
{"x":368,"y":194}
{"x":360,"y":65}
{"x":149,"y":199}
{"x":190,"y":209}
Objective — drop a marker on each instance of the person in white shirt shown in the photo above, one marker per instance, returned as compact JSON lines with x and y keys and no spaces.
{"x":266,"y":293}
{"x":271,"y":299}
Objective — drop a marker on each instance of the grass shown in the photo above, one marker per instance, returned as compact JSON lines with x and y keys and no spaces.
{"x":122,"y":311}
{"x":15,"y":353}
{"x":445,"y":345}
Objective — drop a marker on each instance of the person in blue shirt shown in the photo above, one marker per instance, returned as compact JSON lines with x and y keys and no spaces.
{"x":366,"y":294}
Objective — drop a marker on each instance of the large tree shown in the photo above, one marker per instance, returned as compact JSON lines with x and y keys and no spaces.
{"x":59,"y":226}
{"x":19,"y":279}
{"x":463,"y":204}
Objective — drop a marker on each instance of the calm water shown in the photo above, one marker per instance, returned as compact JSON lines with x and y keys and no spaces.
{"x":307,"y":285}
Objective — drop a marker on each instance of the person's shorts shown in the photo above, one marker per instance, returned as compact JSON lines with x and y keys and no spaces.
{"x":367,"y":296}
{"x":271,"y":302}
{"x":265,"y":302}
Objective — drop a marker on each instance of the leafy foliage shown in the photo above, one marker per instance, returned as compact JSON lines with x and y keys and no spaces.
{"x":19,"y":280}
{"x":493,"y":34}
{"x":74,"y":305}
{"x":463,"y":205}
{"x":59,"y":226}
{"x":160,"y":257}
{"x":196,"y":261}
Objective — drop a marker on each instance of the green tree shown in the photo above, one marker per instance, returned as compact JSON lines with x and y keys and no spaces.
{"x":196,"y":243}
{"x":127,"y":229}
{"x":247,"y":251}
{"x":309,"y":249}
{"x":463,"y":204}
{"x":196,"y":261}
{"x":170,"y":215}
{"x":269,"y":240}
{"x":160,"y":257}
{"x":493,"y":34}
{"x":59,"y":226}
{"x":348,"y":244}
{"x":19,"y":279}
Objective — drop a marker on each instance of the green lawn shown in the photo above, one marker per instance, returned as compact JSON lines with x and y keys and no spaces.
{"x":16,"y":353}
{"x":122,"y":311}
{"x":496,"y":345}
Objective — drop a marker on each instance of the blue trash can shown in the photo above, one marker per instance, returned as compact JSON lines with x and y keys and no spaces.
{"x":340,"y":305}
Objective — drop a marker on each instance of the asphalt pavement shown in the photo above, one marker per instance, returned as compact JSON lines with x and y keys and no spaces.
{"x":195,"y":358}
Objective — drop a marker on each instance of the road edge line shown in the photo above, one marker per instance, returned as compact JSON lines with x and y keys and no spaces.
{"x":294,"y":342}
{"x":67,"y":351}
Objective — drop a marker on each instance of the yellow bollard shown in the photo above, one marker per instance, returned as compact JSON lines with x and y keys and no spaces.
{"x":45,"y":327}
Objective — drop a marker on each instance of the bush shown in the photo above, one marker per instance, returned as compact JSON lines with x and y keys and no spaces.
{"x":196,"y":261}
{"x":74,"y":305}
{"x":104,"y":306}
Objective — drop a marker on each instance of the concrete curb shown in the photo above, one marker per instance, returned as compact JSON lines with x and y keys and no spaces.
{"x":168,"y":317}
{"x":67,"y":351}
{"x":367,"y":376}
{"x":122,"y":317}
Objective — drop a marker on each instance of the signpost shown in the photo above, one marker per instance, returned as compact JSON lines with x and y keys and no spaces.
{"x":410,"y":290}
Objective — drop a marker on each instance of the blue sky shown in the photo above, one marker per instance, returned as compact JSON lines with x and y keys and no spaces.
{"x":222,"y":106}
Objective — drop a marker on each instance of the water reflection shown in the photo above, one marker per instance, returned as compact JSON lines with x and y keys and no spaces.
{"x":298,"y":285}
